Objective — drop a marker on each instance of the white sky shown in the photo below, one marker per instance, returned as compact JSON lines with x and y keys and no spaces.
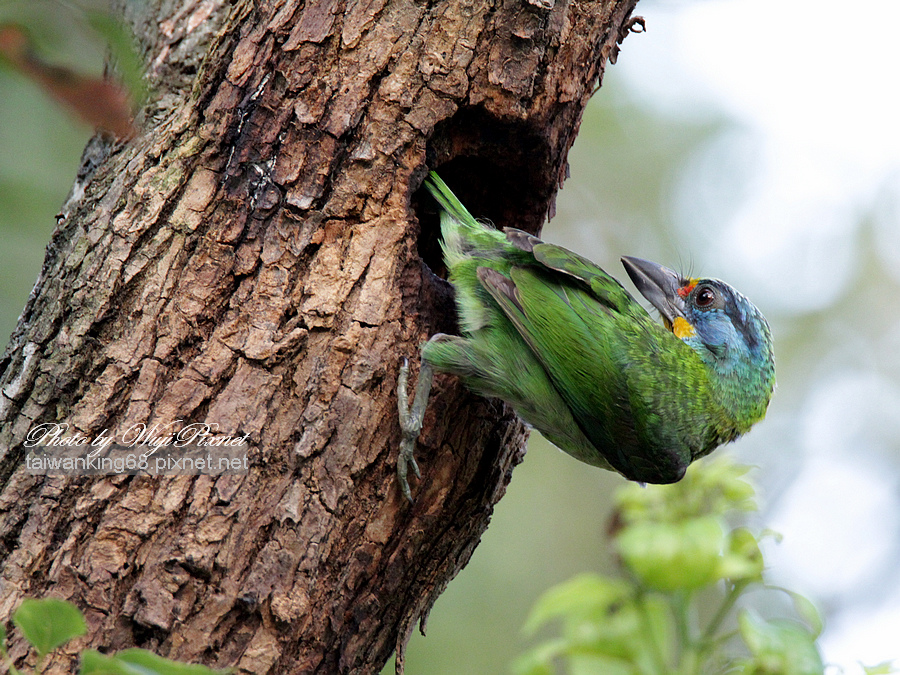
{"x":815,"y":88}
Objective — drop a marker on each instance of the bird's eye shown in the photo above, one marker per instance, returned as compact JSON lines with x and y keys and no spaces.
{"x":705,"y":297}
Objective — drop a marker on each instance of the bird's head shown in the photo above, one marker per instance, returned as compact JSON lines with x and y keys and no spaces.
{"x":723,"y":327}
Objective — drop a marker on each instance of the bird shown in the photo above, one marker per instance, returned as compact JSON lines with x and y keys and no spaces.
{"x":580,"y":360}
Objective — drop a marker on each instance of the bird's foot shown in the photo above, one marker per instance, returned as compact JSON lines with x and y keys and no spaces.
{"x":411,"y":418}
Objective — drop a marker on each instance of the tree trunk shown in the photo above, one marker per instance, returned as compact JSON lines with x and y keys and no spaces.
{"x":257,"y":259}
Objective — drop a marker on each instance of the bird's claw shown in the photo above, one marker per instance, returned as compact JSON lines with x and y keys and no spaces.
{"x":411,"y":418}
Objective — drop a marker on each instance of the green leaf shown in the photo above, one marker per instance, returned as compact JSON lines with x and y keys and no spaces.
{"x":123,"y":49}
{"x":604,"y":621}
{"x":885,"y":668}
{"x":48,"y":623}
{"x":672,"y":556}
{"x":539,"y":661}
{"x":779,"y":647}
{"x":151,"y":663}
{"x":617,"y":633}
{"x":589,"y":664}
{"x":805,"y":608}
{"x":95,"y":663}
{"x":710,"y":487}
{"x":808,"y":612}
{"x":582,"y":596}
{"x":743,"y":561}
{"x":137,"y":662}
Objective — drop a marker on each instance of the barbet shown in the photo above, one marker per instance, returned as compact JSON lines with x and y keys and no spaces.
{"x":581,"y":361}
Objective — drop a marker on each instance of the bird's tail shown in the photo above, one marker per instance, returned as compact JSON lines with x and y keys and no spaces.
{"x":463,"y":237}
{"x":444,"y":196}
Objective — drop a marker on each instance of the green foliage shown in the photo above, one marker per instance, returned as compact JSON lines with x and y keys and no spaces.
{"x":122,"y":49}
{"x":677,"y":549}
{"x":135,"y":662}
{"x":778,"y":647}
{"x":76,"y":34}
{"x":98,"y":101}
{"x":50,"y":623}
{"x":885,"y":668}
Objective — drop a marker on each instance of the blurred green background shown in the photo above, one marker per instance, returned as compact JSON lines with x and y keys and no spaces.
{"x":39,"y":150}
{"x":40,"y":143}
{"x":786,"y":186}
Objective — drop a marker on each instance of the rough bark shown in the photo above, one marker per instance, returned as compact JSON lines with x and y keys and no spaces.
{"x":256,"y":258}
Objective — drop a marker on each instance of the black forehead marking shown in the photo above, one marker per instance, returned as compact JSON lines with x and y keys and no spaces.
{"x":734,"y":311}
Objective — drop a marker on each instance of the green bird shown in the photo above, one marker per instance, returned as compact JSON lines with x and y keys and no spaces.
{"x":584,"y":363}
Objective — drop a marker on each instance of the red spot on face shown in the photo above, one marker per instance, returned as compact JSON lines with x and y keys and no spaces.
{"x":685,"y":290}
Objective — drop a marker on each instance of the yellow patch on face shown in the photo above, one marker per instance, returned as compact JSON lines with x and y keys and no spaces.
{"x":682,"y":328}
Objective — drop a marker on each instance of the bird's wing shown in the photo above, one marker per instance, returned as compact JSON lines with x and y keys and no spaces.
{"x":610,"y":362}
{"x":605,"y":289}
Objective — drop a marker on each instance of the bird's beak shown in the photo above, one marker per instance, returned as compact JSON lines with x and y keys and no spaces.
{"x":659,"y":285}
